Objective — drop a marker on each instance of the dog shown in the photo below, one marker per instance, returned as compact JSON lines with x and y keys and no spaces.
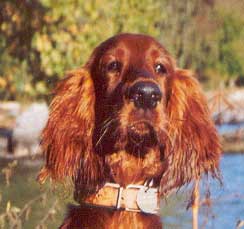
{"x":128,"y":128}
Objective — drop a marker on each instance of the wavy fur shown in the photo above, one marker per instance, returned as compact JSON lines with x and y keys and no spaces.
{"x":67,"y":137}
{"x":194,"y":148}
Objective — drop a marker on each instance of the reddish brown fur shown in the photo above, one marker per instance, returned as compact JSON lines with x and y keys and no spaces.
{"x":102,"y":218}
{"x":88,"y":135}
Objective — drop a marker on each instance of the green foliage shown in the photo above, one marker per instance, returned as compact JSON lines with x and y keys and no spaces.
{"x":41,"y":39}
{"x":226,"y":63}
{"x":231,"y":45}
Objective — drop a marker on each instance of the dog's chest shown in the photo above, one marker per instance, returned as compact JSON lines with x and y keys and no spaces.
{"x":127,"y":169}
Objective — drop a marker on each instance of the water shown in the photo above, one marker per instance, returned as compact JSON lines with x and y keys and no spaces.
{"x":230,"y":128}
{"x":228,"y":201}
{"x":228,"y":206}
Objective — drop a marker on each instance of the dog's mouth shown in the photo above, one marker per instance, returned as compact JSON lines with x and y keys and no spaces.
{"x":141,"y":132}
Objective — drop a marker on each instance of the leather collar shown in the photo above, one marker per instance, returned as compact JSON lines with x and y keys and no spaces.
{"x":135,"y":198}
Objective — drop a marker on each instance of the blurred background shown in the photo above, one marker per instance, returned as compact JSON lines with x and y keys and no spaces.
{"x":42,"y":39}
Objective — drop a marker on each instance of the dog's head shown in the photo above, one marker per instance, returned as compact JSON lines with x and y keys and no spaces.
{"x":130,"y":96}
{"x":130,"y":79}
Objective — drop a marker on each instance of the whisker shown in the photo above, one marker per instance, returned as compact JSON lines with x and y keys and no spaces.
{"x":108,"y":123}
{"x":107,"y":120}
{"x":101,"y":137}
{"x":105,"y":128}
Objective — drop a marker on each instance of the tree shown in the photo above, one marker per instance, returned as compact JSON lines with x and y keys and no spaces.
{"x":41,"y":39}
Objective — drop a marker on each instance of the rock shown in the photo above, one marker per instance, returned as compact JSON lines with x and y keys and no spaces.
{"x":29,"y":126}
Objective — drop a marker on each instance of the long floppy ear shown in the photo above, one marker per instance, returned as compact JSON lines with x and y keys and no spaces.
{"x":67,"y":137}
{"x":193,"y":148}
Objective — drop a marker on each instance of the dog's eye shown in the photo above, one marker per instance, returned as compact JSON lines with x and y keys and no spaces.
{"x":114,"y":66}
{"x":160,"y":69}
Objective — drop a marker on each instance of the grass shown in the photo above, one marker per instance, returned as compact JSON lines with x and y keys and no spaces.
{"x":41,"y":203}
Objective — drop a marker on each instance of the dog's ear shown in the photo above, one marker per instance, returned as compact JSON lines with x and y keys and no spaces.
{"x":67,"y":137}
{"x":193,"y":148}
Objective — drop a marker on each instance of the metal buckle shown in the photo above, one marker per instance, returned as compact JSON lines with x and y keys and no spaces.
{"x":147,"y":199}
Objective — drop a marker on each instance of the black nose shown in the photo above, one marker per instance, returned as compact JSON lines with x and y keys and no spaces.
{"x":145,"y":95}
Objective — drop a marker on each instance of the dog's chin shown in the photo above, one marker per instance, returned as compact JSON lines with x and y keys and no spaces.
{"x":142,"y":133}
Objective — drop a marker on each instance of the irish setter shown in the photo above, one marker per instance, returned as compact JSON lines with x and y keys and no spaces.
{"x":128,"y":128}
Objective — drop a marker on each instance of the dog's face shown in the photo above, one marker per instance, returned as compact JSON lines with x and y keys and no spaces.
{"x":130,"y":74}
{"x":130,"y":108}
